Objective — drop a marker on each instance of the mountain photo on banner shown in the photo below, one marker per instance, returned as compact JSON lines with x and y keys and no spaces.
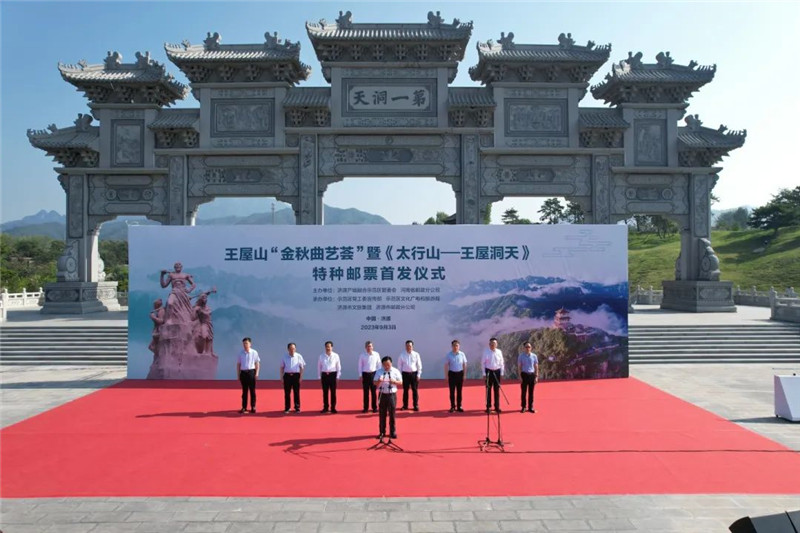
{"x":577,"y":328}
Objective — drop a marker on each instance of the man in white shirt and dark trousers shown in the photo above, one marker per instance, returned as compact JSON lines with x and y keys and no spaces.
{"x":330,"y":370}
{"x":368,"y":364}
{"x":455,"y":370}
{"x":292,"y":367}
{"x":493,"y":369}
{"x":528,"y":366}
{"x":410,"y":365}
{"x":247,"y":367}
{"x":387,"y":381}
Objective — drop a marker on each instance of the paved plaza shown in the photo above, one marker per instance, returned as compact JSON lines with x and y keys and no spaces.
{"x":742,"y":394}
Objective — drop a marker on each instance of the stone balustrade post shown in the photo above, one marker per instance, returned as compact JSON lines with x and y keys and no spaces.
{"x":3,"y":305}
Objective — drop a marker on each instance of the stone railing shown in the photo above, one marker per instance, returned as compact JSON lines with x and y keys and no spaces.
{"x":786,"y":307}
{"x":19,"y":300}
{"x":758,"y":298}
{"x":25,"y":299}
{"x":753,"y":297}
{"x":649,"y":296}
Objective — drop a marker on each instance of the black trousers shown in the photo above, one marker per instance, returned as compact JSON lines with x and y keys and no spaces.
{"x":410,"y":380}
{"x":492,"y":382}
{"x":388,"y":407}
{"x":291,"y":384}
{"x":328,"y":380}
{"x":528,"y":383}
{"x":370,"y":392}
{"x":455,"y":380}
{"x":248,"y":380}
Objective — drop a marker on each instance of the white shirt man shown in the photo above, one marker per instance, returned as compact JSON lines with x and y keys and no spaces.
{"x":493,"y":370}
{"x":368,"y":364}
{"x":247,"y":366}
{"x":292,"y":367}
{"x":528,"y":367}
{"x":409,"y":364}
{"x":330,"y":370}
{"x":387,"y":379}
{"x":455,"y":370}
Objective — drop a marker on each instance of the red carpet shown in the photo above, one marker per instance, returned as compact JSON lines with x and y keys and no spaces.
{"x":186,"y":439}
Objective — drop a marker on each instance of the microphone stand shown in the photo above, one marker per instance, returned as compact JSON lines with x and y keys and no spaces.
{"x":488,"y":442}
{"x":381,"y":444}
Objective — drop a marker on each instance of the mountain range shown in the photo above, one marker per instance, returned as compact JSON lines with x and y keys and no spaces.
{"x":53,"y":224}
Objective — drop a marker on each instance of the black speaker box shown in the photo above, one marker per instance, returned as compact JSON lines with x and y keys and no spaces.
{"x":788,"y":522}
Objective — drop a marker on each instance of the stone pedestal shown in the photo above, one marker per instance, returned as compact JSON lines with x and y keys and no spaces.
{"x":176,"y":355}
{"x":80,"y":297}
{"x":699,"y":296}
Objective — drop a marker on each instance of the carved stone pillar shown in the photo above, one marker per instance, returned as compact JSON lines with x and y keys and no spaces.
{"x":178,"y":209}
{"x":80,"y":285}
{"x":697,"y":286}
{"x":309,"y":205}
{"x":601,"y":191}
{"x":468,"y":209}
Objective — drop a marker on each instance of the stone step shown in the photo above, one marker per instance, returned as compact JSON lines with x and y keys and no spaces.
{"x":74,"y":346}
{"x":715,"y":329}
{"x":727,"y":340}
{"x":36,"y":352}
{"x":734,"y":345}
{"x":56,"y":335}
{"x":63,"y":342}
{"x":67,"y":357}
{"x":689,"y":360}
{"x":68,"y":362}
{"x":711,"y":335}
{"x":8,"y":327}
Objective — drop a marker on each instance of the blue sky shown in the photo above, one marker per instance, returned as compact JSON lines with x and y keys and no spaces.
{"x":750,"y":43}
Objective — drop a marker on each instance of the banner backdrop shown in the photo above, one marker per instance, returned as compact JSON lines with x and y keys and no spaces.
{"x":562,"y":287}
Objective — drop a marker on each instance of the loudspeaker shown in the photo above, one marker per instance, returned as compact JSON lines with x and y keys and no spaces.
{"x":788,"y":522}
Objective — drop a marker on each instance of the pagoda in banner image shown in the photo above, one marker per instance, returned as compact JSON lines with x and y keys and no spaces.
{"x":562,"y":320}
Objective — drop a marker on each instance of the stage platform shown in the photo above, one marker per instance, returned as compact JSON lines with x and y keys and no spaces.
{"x":140,"y":438}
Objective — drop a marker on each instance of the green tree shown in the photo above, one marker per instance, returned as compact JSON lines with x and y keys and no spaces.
{"x":783,"y":210}
{"x":511,"y":216}
{"x":487,"y":214}
{"x":114,"y":253}
{"x":552,"y":211}
{"x":660,"y":225}
{"x":664,"y":227}
{"x":574,"y":213}
{"x":733,"y":219}
{"x":642,"y":224}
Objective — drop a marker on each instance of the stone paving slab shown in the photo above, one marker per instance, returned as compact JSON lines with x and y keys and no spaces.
{"x":705,"y":513}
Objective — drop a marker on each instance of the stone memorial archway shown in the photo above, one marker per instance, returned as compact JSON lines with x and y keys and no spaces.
{"x":389,"y":111}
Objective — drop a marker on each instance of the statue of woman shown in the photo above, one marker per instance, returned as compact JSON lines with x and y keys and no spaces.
{"x":179,"y":306}
{"x":157,"y":316}
{"x":203,"y":331}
